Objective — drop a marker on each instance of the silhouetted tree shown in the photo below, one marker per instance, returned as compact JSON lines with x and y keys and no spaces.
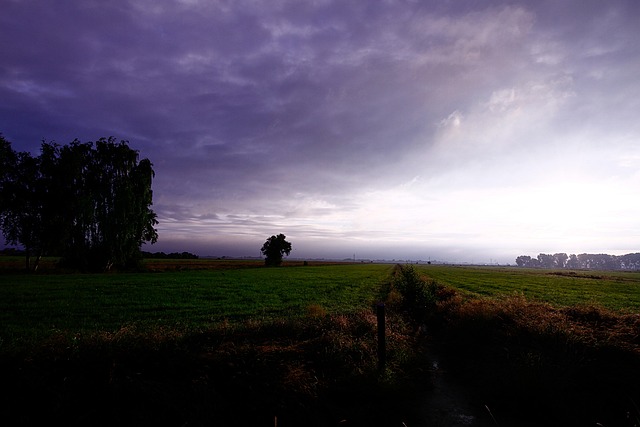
{"x":110,"y":191}
{"x":7,"y":162}
{"x":89,"y":204}
{"x":22,"y":209}
{"x":274,"y":248}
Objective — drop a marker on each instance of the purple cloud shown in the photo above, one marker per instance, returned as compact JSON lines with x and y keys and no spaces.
{"x":264,"y":117}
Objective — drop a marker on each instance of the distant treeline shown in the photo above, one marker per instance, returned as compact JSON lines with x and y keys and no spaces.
{"x":582,"y":261}
{"x":12,"y":252}
{"x":172,"y":255}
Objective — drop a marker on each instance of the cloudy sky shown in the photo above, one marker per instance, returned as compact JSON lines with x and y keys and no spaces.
{"x":464,"y":131}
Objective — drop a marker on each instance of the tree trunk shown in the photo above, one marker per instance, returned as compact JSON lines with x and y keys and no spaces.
{"x":36,"y":263}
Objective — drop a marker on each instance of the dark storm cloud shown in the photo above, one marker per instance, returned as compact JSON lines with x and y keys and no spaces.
{"x":307,"y":115}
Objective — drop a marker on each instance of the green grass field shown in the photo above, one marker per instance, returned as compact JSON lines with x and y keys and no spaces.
{"x":226,"y":342}
{"x":195,"y":294}
{"x":35,"y":305}
{"x":615,"y":290}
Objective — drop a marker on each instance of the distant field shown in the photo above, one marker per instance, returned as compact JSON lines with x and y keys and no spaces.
{"x":615,"y":290}
{"x":15,"y":263}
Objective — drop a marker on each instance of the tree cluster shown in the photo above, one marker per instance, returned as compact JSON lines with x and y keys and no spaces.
{"x":86,"y":202}
{"x":582,"y":261}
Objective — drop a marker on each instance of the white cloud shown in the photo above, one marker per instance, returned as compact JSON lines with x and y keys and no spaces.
{"x":452,"y":121}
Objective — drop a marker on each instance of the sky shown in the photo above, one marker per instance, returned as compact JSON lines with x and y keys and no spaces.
{"x":457,"y":131}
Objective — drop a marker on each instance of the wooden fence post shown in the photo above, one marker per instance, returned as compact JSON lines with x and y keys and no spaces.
{"x":382,"y":350}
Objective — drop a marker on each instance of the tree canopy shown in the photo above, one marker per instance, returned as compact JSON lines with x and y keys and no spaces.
{"x":87,"y":202}
{"x":274,"y":249}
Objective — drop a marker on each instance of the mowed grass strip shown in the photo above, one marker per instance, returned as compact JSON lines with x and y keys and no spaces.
{"x":615,"y":290}
{"x":33,"y":306}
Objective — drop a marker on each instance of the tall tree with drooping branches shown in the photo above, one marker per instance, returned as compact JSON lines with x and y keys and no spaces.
{"x":89,"y":203}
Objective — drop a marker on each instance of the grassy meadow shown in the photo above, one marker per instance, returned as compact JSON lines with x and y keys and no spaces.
{"x":229,"y":342}
{"x":615,"y":290}
{"x":199,"y":293}
{"x":192,"y":296}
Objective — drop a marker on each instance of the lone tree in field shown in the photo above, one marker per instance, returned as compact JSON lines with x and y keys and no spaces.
{"x":274,"y":248}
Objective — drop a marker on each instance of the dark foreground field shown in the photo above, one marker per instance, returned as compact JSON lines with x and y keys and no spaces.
{"x":506,"y":359}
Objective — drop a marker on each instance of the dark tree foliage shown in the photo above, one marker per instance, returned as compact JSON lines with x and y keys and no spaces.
{"x":274,"y":248}
{"x":7,"y":161}
{"x":21,"y":206}
{"x":89,"y":203}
